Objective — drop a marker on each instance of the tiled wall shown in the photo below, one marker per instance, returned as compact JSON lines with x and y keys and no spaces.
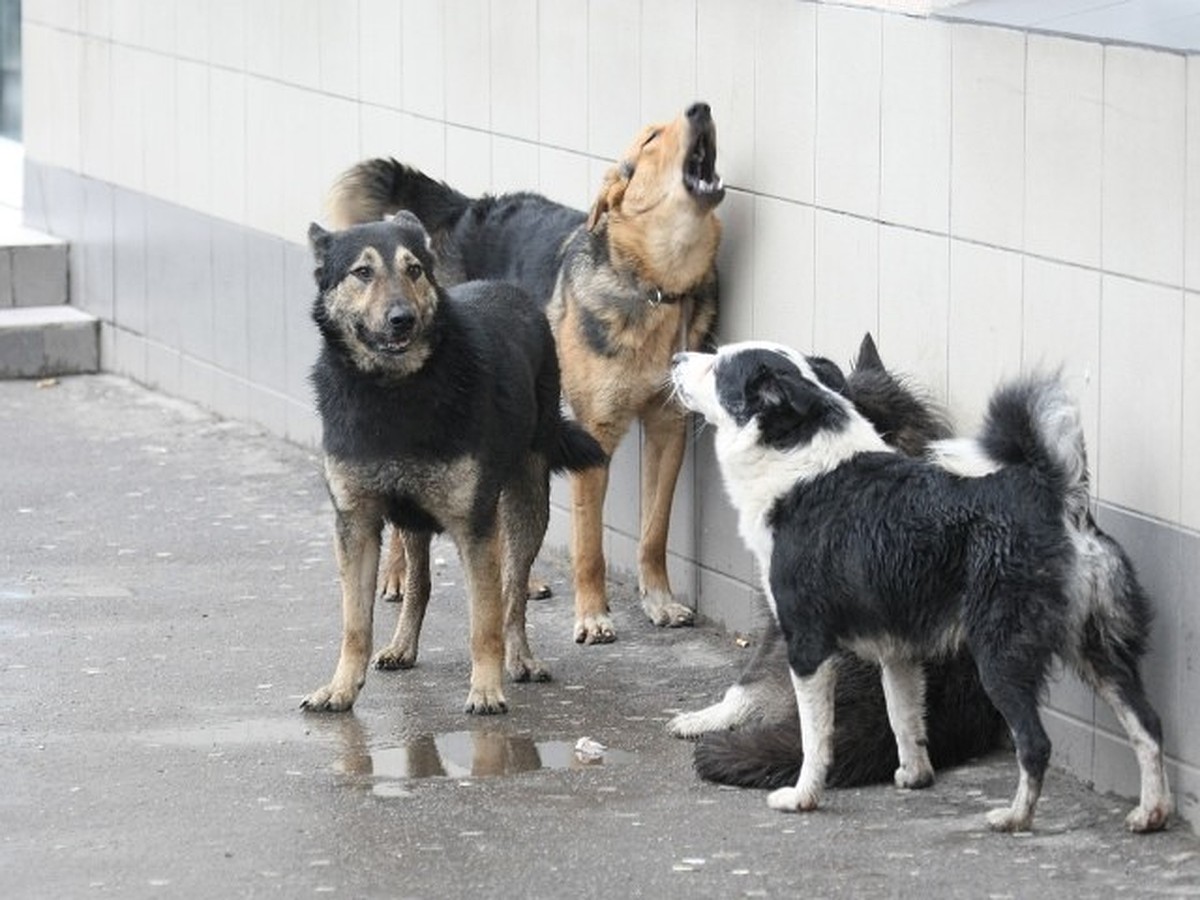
{"x":982,"y":199}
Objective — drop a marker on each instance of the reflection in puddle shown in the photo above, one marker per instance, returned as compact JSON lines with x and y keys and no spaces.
{"x":460,"y":754}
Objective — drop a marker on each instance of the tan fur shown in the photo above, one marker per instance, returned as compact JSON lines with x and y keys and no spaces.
{"x":656,"y":231}
{"x":366,"y":300}
{"x":654,"y":225}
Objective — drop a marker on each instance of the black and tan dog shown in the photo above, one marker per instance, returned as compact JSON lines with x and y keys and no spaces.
{"x":624,"y":286}
{"x":440,"y":411}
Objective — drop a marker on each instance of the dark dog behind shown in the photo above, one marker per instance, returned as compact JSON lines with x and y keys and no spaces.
{"x":989,"y":545}
{"x":624,"y":285}
{"x":761,"y":706}
{"x":440,"y":411}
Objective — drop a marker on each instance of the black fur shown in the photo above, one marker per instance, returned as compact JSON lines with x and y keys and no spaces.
{"x":904,"y":560}
{"x":963,"y":722}
{"x":440,"y":411}
{"x":475,"y":237}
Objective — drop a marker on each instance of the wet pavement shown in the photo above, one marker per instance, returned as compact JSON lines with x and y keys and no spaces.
{"x":167,"y":597}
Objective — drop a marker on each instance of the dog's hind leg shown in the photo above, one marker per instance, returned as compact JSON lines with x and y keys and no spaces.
{"x":357,"y":533}
{"x":524,"y":513}
{"x":401,"y":653}
{"x":395,"y":565}
{"x":815,"y":703}
{"x":481,"y":561}
{"x":1128,"y":701}
{"x":664,"y":428}
{"x":904,"y":692}
{"x":1014,"y":694}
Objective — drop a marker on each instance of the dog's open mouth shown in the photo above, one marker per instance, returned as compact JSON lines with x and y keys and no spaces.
{"x":700,"y":168}
{"x":386,"y":344}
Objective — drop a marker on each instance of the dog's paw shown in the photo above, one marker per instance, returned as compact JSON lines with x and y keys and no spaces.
{"x":481,"y":702}
{"x":913,"y":777}
{"x":689,"y":724}
{"x":538,"y":590}
{"x":1007,"y":819}
{"x":595,"y":629}
{"x":666,"y":612}
{"x":528,"y":669}
{"x":330,"y":698}
{"x":395,"y":657}
{"x":391,"y":585}
{"x":1142,"y":820}
{"x":792,"y":799}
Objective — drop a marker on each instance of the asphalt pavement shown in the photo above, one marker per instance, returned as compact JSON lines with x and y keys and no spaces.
{"x":168,"y":595}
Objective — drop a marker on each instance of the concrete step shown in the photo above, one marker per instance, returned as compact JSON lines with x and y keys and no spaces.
{"x":40,"y":341}
{"x":33,"y":267}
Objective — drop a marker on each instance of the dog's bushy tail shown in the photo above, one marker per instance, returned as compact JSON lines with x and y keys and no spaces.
{"x":1034,"y":422}
{"x":373,"y":188}
{"x":573,"y":448}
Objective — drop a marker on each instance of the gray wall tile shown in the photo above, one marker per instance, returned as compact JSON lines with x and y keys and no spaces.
{"x":96,"y":292}
{"x":266,"y":315}
{"x":129,"y":260}
{"x":230,"y":313}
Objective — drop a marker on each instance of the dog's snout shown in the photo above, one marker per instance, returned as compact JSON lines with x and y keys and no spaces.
{"x":699,"y":113}
{"x":401,"y":318}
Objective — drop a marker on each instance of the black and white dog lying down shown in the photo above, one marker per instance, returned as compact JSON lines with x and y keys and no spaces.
{"x":750,"y":737}
{"x":988,"y":544}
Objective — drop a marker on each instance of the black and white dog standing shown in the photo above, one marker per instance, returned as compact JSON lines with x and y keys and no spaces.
{"x":989,"y":545}
{"x":751,"y":736}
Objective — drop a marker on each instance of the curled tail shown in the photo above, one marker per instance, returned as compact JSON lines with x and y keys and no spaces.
{"x":1034,"y":422}
{"x":573,"y":449}
{"x":373,"y":188}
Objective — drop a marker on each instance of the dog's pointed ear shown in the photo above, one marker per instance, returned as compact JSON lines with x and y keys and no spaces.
{"x":828,"y":373}
{"x":318,"y":240}
{"x":868,"y":359}
{"x":612,"y":191}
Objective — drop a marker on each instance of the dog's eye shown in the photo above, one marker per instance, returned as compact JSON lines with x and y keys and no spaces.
{"x":363,"y":273}
{"x":414,"y":271}
{"x":653,"y":136}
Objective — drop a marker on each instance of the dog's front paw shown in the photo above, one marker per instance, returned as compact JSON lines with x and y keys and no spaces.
{"x":1143,"y":820}
{"x":483,"y":702}
{"x":595,"y":629}
{"x":913,"y":777}
{"x":331,"y":698}
{"x":1008,"y":819}
{"x":665,"y":612}
{"x":395,"y":656}
{"x":689,"y":724}
{"x":793,"y":799}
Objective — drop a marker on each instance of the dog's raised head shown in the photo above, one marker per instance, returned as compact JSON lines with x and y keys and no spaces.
{"x":376,"y":293}
{"x":658,"y":201}
{"x":780,"y":416}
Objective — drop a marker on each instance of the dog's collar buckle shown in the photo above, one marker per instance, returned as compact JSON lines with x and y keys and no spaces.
{"x":655,"y":297}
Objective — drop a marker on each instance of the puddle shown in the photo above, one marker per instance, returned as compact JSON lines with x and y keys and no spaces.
{"x":477,"y":754}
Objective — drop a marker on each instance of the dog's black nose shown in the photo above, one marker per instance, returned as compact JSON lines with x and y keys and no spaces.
{"x":699,"y":112}
{"x":401,"y":319}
